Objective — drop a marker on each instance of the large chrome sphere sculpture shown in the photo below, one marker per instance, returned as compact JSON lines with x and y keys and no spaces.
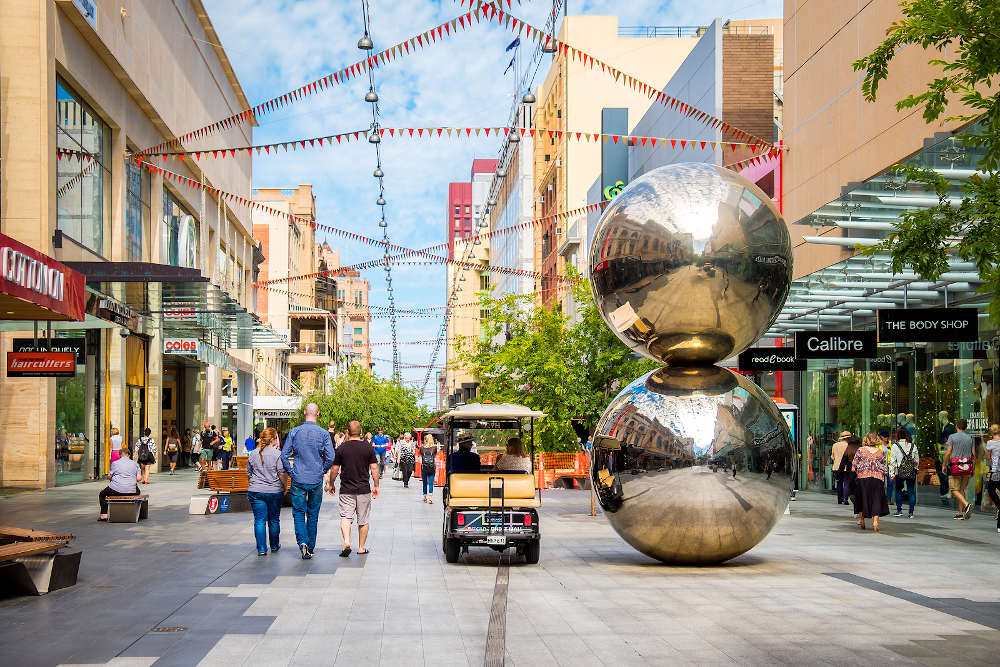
{"x":690,"y":265}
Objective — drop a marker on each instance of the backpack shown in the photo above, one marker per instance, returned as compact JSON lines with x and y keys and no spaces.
{"x":907,"y":467}
{"x":145,"y":454}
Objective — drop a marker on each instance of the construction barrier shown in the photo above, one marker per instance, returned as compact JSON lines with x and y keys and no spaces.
{"x":550,"y":468}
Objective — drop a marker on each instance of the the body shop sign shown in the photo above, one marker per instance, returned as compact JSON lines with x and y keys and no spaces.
{"x":180,"y":346}
{"x":38,"y":279}
{"x":41,"y":364}
{"x":927,"y":325}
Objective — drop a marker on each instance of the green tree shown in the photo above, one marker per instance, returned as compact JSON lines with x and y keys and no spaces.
{"x":358,"y":394}
{"x":537,"y":357}
{"x":966,"y":35}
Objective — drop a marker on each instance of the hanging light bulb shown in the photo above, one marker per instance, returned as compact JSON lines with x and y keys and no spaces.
{"x":501,"y":172}
{"x":549,"y":46}
{"x":383,"y":223}
{"x":371,"y":96}
{"x":378,"y":173}
{"x":373,"y":136}
{"x":365,"y":43}
{"x":529,"y":98}
{"x":462,"y":279}
{"x":380,"y":201}
{"x":513,"y":138}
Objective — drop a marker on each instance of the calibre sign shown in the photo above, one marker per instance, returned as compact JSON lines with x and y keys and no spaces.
{"x":835,"y":345}
{"x":770,"y":359}
{"x":913,"y":325}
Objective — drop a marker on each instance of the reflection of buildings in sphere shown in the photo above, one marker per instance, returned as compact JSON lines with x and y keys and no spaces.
{"x":656,"y":452}
{"x":690,"y":264}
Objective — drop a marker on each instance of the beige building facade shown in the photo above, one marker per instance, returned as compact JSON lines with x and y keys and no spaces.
{"x":93,"y":82}
{"x":354,"y":317}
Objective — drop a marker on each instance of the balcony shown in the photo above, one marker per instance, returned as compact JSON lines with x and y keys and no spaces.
{"x":310,"y":354}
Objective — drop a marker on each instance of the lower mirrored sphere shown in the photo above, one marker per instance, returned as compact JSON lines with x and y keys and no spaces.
{"x":692,"y":465}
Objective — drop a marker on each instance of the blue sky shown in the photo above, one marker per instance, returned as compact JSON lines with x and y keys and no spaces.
{"x":279,"y":45}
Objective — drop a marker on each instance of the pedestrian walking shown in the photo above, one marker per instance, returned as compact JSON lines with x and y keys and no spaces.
{"x":186,"y":448}
{"x":381,"y":443}
{"x":356,"y":463}
{"x":871,"y":469}
{"x":428,"y":454}
{"x":216,"y":448}
{"x":332,"y":430}
{"x":903,"y":459}
{"x":846,"y":469}
{"x":207,"y":450}
{"x":123,"y":480}
{"x":310,"y":448}
{"x":196,"y":449}
{"x":116,"y":444}
{"x":992,"y":455}
{"x":958,"y":456}
{"x":251,"y":442}
{"x":227,"y":448}
{"x":266,"y":490}
{"x":145,"y":454}
{"x":172,"y":449}
{"x":405,"y":455}
{"x":886,"y":446}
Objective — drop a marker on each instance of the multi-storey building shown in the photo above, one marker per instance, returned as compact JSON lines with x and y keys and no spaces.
{"x":465,"y":202}
{"x":351,"y":296}
{"x":168,"y":268}
{"x":514,"y":249}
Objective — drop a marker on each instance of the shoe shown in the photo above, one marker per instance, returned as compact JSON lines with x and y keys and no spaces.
{"x":957,"y":516}
{"x":898,"y":513}
{"x":273,"y":549}
{"x":910,"y":515}
{"x":261,"y":553}
{"x":967,"y":512}
{"x":306,"y":554}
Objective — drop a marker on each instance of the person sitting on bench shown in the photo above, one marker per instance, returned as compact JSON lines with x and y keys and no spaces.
{"x":464,"y":459}
{"x":123,"y":480}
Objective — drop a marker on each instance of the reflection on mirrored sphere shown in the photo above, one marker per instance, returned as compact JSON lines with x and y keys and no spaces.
{"x":692,"y":464}
{"x":690,"y":264}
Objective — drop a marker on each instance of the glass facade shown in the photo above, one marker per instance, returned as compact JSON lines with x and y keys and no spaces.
{"x":137,"y":211}
{"x":179,"y":241}
{"x":82,"y":176}
{"x":76,"y":447}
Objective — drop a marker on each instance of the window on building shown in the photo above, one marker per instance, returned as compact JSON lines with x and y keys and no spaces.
{"x":467,"y":210}
{"x":484,"y":314}
{"x":221,"y":270}
{"x":456,"y":210}
{"x":357,"y":331}
{"x":484,"y":282}
{"x":137,"y":211}
{"x":179,"y":236}
{"x":340,"y":295}
{"x":83,"y":180}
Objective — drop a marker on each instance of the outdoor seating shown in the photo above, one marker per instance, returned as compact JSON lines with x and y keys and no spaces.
{"x":128,"y":509}
{"x":30,"y":562}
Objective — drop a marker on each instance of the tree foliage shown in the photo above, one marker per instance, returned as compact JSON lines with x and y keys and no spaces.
{"x":358,"y":394}
{"x":966,"y":34}
{"x":537,"y":357}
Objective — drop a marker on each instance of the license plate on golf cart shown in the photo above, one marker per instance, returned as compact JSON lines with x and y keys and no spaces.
{"x":496,"y":539}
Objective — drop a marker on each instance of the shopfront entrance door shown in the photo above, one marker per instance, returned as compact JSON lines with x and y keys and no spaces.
{"x":136,"y":414}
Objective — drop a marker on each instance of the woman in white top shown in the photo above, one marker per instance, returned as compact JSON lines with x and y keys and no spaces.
{"x":515,"y":459}
{"x":116,"y":444}
{"x":123,"y":480}
{"x":993,"y":477}
{"x":904,"y":451}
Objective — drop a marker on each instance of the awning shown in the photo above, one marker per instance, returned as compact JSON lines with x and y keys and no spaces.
{"x":33,"y":286}
{"x":190,"y":306}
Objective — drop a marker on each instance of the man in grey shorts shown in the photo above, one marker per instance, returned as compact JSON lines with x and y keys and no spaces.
{"x":355,"y":462}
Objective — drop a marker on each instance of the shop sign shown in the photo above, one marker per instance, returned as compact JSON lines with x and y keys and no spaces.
{"x":274,"y":414}
{"x":78,"y":346}
{"x":41,"y":364}
{"x":914,"y":325}
{"x":887,"y":362}
{"x":180,"y":346}
{"x":770,"y":359}
{"x":835,"y":345}
{"x":113,"y":311}
{"x":978,"y":424}
{"x":31,"y":276}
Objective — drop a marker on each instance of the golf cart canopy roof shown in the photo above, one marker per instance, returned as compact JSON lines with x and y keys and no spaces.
{"x":492,"y":411}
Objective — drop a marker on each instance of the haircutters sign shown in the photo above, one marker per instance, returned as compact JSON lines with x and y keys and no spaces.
{"x":41,"y":364}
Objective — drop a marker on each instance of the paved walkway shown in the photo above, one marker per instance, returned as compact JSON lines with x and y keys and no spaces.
{"x":185,"y":590}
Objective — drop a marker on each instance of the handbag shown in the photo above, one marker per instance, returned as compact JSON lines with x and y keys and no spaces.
{"x":960,"y":467}
{"x":397,"y":474}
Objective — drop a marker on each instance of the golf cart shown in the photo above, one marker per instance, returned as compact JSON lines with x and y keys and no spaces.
{"x":489,"y":507}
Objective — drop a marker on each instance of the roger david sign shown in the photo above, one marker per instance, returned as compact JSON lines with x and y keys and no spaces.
{"x":41,"y":364}
{"x":180,"y":346}
{"x":835,"y":345}
{"x":928,"y":325}
{"x":767,"y":359}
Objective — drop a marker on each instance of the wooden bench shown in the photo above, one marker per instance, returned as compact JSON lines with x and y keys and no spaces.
{"x":27,"y":535}
{"x":35,"y":567}
{"x":226,"y":480}
{"x":128,"y":509}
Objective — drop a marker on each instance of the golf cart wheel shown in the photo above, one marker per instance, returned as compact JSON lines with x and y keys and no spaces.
{"x":452,"y":549}
{"x":532,"y":550}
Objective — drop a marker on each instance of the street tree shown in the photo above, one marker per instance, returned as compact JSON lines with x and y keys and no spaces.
{"x":538,"y":357}
{"x":375,"y":402}
{"x":966,"y":36}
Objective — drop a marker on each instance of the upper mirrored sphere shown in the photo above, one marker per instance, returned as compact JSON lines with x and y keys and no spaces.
{"x":690,"y":264}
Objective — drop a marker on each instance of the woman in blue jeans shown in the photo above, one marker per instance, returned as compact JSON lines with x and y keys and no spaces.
{"x":266,"y":490}
{"x":428,"y":451}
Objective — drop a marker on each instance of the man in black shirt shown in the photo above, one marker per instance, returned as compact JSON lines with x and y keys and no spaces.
{"x":464,"y":459}
{"x":355,"y":461}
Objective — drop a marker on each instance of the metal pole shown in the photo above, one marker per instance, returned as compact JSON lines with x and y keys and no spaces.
{"x":945,"y":296}
{"x":906,"y":292}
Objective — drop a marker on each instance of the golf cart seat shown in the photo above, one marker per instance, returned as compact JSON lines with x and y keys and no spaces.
{"x":473,"y":490}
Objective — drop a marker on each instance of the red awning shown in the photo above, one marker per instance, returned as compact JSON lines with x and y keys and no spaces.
{"x":33,"y":286}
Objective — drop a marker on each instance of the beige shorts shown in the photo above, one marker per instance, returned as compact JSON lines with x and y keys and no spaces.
{"x":359,"y":505}
{"x":958,"y":484}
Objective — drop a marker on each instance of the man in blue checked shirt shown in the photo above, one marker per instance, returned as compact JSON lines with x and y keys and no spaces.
{"x":310,"y":448}
{"x":381,"y":444}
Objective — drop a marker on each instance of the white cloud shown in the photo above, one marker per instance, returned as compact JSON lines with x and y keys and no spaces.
{"x":277,"y":46}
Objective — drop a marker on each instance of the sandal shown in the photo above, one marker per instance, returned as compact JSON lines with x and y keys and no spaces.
{"x":346,"y":552}
{"x":364,"y":552}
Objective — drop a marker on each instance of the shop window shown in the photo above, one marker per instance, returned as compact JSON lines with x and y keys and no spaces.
{"x":484,"y":282}
{"x":179,"y":240}
{"x":82,"y":177}
{"x":137,"y":211}
{"x":221,"y":270}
